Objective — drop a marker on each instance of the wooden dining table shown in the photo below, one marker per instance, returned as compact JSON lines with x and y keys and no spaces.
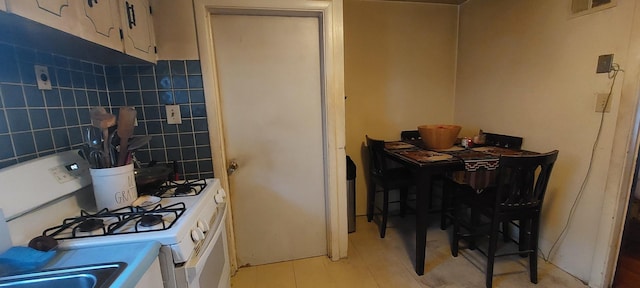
{"x":475,"y":167}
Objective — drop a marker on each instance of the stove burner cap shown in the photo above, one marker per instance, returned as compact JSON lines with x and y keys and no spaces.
{"x":149,"y":220}
{"x":182,"y":189}
{"x":90,"y":225}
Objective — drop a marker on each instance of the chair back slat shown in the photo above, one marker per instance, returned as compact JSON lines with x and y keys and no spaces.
{"x":522,"y":180}
{"x":377,"y":163}
{"x":410,"y":135}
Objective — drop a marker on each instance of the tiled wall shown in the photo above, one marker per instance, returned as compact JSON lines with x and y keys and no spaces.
{"x":149,"y":88}
{"x":35,"y":123}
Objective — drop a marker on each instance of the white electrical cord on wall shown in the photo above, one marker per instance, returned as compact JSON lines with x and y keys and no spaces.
{"x":613,"y":74}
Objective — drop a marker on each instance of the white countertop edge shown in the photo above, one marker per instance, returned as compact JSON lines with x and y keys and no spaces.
{"x":135,"y":269}
{"x":138,"y":255}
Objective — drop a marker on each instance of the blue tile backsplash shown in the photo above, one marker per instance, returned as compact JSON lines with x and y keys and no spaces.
{"x":36,"y":123}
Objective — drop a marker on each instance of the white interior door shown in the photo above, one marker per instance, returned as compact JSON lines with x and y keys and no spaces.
{"x":271,"y":103}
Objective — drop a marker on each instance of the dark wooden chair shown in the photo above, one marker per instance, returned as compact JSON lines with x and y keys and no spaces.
{"x":449,"y":185}
{"x":517,"y":196}
{"x":410,"y":135}
{"x":385,"y":178}
{"x":438,"y":180}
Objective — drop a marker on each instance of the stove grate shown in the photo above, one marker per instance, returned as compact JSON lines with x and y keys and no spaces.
{"x":119,"y":219}
{"x":181,"y":189}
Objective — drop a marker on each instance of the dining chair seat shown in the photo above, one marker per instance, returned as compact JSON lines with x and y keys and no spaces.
{"x":383,"y":178}
{"x":515,"y":199}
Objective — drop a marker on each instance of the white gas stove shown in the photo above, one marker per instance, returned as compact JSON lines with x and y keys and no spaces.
{"x":188,"y":220}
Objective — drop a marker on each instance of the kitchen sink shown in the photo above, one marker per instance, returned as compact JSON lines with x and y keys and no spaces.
{"x":88,"y":276}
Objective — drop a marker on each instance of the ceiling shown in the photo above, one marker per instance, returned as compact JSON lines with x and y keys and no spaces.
{"x":456,"y":2}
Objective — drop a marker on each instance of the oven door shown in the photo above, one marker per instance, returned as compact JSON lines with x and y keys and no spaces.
{"x":209,"y":267}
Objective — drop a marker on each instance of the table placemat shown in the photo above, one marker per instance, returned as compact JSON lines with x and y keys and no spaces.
{"x":398,"y":145}
{"x":425,"y":156}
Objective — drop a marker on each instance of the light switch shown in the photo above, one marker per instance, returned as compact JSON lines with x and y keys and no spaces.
{"x":173,"y":114}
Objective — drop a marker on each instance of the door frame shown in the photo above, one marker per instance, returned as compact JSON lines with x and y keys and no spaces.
{"x":330,"y":15}
{"x":624,"y":156}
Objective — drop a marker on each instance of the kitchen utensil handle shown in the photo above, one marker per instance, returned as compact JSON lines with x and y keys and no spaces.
{"x":114,"y":155}
{"x":122,"y":154}
{"x":106,"y":146}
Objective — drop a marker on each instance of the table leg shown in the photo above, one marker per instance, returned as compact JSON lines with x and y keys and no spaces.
{"x":423,"y":193}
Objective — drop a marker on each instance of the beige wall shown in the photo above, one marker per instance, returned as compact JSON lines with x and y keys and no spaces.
{"x":527,"y":68}
{"x":399,"y":72}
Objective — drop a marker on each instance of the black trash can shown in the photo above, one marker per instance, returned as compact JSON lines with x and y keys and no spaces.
{"x":351,"y":194}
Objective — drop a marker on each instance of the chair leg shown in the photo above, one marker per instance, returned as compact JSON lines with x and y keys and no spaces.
{"x":533,"y":256}
{"x":475,"y":222}
{"x":491,"y":253}
{"x":385,"y":213}
{"x":430,"y":207}
{"x":371,"y":200}
{"x":455,"y":238}
{"x":404,"y":195}
{"x":445,"y":207}
{"x":525,"y":235}
{"x":505,"y":231}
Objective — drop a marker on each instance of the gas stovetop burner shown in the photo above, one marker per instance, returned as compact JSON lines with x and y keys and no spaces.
{"x":149,"y":220}
{"x":181,"y":189}
{"x":125,"y":220}
{"x":91,"y":225}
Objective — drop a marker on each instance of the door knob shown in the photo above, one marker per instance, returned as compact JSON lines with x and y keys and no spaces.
{"x":233,"y":166}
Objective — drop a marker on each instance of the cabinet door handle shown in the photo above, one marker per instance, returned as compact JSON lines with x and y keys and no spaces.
{"x":91,"y":2}
{"x":131,"y":15}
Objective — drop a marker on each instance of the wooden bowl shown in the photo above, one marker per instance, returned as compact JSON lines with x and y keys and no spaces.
{"x":439,"y":136}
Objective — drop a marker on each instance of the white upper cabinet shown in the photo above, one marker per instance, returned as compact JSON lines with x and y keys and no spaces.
{"x":175,"y":29}
{"x":125,"y":26}
{"x":137,"y":27}
{"x":58,"y":14}
{"x":100,"y":22}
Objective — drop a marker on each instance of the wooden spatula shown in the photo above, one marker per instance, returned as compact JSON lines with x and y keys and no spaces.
{"x":103,"y":120}
{"x":126,"y":120}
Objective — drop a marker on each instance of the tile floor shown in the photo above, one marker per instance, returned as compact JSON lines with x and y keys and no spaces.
{"x":388,"y":262}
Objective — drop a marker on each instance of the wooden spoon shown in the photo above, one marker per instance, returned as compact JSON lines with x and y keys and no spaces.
{"x":103,"y":120}
{"x":126,"y":120}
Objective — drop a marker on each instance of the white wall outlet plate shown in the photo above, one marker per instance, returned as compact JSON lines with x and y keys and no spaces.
{"x":173,"y":114}
{"x":42,"y":76}
{"x":603,"y":103}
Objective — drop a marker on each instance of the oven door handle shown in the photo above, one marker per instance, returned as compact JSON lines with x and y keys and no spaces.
{"x":195,"y":265}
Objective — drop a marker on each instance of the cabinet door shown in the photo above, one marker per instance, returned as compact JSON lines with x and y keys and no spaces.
{"x":58,"y":14}
{"x":137,"y":25}
{"x":152,"y":278}
{"x":100,"y":22}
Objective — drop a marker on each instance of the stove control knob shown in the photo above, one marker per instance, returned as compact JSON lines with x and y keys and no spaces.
{"x":219,"y":198}
{"x":197,"y":235}
{"x":203,"y":226}
{"x":222,"y":192}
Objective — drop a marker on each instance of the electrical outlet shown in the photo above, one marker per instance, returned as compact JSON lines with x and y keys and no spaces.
{"x":42,"y":77}
{"x":173,"y":114}
{"x":601,"y":103}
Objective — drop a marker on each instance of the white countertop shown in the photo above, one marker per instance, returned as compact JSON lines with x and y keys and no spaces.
{"x":138,"y":256}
